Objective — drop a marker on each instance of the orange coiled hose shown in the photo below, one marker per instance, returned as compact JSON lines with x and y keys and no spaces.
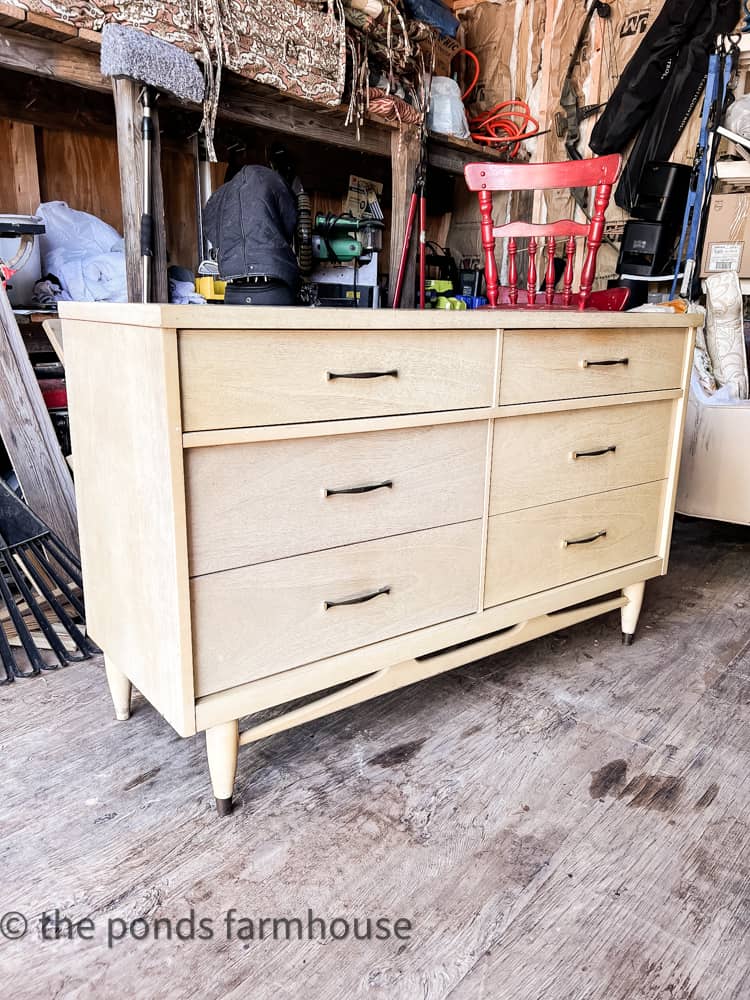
{"x":506,"y":124}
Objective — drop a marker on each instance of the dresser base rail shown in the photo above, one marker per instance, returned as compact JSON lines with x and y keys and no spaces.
{"x":223,"y":740}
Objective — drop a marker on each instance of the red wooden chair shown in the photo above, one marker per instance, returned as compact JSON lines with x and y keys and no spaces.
{"x":600,"y":172}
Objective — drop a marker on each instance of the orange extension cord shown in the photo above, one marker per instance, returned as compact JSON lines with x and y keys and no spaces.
{"x":506,"y":124}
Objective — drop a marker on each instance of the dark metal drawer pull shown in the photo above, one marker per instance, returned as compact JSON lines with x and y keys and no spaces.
{"x":596,"y":452}
{"x":356,"y":600}
{"x":393,"y":373}
{"x":385,"y":485}
{"x":586,"y":540}
{"x":610,"y":361}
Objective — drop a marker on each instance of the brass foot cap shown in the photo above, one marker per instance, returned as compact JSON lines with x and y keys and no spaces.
{"x":224,"y":807}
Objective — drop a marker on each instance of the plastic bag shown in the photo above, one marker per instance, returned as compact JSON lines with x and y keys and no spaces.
{"x":737,"y":118}
{"x":447,"y":114}
{"x":86,"y":255}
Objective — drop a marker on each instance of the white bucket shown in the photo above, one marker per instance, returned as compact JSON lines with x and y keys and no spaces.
{"x":21,"y":285}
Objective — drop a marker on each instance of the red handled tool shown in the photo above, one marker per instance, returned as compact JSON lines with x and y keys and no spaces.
{"x":417,"y":197}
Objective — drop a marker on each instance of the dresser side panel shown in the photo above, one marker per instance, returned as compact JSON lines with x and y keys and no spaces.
{"x":678,"y":431}
{"x":126,"y":431}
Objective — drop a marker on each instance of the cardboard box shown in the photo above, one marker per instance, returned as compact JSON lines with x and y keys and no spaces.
{"x":727,"y":243}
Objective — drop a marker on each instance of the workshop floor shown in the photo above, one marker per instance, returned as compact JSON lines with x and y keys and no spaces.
{"x":570,"y":819}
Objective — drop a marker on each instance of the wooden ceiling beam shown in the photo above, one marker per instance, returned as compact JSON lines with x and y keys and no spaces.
{"x":242,"y":102}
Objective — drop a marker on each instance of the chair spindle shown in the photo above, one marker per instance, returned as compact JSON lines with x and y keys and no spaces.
{"x":512,"y":271}
{"x":531,"y":273}
{"x":488,"y":244}
{"x":549,"y":291}
{"x":570,"y":256}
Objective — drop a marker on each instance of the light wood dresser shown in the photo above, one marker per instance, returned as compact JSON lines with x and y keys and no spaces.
{"x":274,"y":503}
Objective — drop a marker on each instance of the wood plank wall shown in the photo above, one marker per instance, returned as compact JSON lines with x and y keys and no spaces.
{"x":81,"y":169}
{"x":19,"y":185}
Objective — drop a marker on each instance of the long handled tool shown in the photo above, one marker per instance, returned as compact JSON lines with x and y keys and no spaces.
{"x":720,"y":68}
{"x":158,"y":66}
{"x":41,"y":597}
{"x":147,"y":220}
{"x":418,"y":199}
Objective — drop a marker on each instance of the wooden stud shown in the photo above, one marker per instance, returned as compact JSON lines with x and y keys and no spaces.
{"x":131,"y":182}
{"x":25,"y":167}
{"x":128,"y":112}
{"x":405,"y":149}
{"x":159,"y":282}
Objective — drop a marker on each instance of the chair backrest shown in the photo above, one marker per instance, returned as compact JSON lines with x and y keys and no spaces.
{"x":599,"y":172}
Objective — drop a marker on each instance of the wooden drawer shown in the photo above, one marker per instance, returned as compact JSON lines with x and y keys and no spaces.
{"x":527,"y":550}
{"x":546,"y":457}
{"x":258,"y":620}
{"x":545,"y":364}
{"x":247,"y":378}
{"x":255,"y":502}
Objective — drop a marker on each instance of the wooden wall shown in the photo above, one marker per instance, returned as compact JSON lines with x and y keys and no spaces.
{"x":19,"y":178}
{"x":82,"y":170}
{"x":80,"y":167}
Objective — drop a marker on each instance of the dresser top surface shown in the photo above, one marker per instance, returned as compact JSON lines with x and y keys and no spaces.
{"x":292,"y":318}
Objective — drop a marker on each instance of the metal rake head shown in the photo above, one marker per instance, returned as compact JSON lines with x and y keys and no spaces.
{"x":41,"y":595}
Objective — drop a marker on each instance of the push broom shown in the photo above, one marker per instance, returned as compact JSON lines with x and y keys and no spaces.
{"x":157,"y":65}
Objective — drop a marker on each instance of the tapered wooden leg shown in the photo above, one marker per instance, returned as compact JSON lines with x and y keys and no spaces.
{"x":120,"y":688}
{"x":629,"y":612}
{"x":222,"y":744}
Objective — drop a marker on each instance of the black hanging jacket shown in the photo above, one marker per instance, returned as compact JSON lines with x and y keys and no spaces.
{"x":251,"y":221}
{"x":660,"y":87}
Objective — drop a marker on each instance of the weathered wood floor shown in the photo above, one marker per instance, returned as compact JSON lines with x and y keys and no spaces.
{"x":567,"y":821}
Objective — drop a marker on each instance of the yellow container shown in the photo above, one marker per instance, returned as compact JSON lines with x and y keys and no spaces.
{"x":210,"y":288}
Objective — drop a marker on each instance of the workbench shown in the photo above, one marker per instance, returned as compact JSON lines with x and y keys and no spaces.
{"x":285,"y":504}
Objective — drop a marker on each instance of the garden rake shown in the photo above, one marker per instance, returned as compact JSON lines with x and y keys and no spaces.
{"x":41,"y":595}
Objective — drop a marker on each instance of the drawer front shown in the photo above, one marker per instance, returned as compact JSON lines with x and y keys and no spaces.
{"x":259,"y":620}
{"x":544,"y":365}
{"x":256,"y":502}
{"x":546,"y":457}
{"x":539,"y":548}
{"x":248,"y":378}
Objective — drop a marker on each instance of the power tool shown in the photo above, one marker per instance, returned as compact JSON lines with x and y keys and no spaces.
{"x":343,"y":238}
